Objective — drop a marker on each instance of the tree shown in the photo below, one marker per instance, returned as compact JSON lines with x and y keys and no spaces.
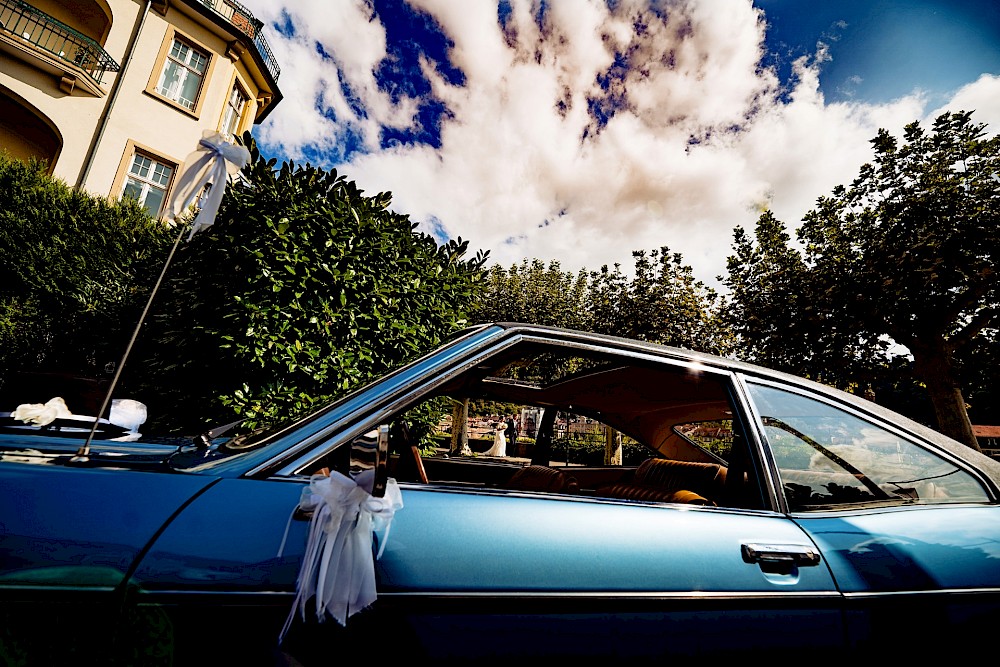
{"x":533,"y":292}
{"x":908,"y":253}
{"x":783,"y":322}
{"x":303,"y":289}
{"x":76,"y":272}
{"x":978,"y":364}
{"x":661,"y":302}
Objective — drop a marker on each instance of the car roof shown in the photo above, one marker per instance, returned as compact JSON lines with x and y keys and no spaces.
{"x":987,"y":464}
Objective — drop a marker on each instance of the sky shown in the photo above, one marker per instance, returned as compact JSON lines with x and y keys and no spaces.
{"x":579,"y":131}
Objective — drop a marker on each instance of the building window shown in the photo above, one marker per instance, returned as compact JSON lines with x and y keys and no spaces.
{"x":183,"y":72}
{"x":147,"y":182}
{"x":234,"y":111}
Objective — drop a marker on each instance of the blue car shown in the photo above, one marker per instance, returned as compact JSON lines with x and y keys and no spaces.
{"x":648,"y":502}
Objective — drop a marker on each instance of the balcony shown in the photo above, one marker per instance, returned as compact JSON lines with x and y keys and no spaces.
{"x":68,"y":50}
{"x":249,"y":25}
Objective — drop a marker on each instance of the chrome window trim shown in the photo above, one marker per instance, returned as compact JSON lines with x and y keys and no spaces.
{"x":863,"y":509}
{"x":618,"y":595}
{"x":757,"y":440}
{"x":145,"y":595}
{"x":365,"y":418}
{"x":857,"y":595}
{"x":537,"y":595}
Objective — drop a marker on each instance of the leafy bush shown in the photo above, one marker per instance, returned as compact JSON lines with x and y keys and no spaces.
{"x":76,"y":273}
{"x":302,"y":290}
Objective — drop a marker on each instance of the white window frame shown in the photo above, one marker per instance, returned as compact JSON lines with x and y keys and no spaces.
{"x":183,"y":60}
{"x":232,"y":118}
{"x":151,"y":181}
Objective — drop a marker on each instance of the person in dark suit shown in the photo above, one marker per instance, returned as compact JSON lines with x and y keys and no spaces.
{"x":511,"y":432}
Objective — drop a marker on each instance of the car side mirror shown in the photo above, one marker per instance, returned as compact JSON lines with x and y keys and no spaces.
{"x":369,"y":460}
{"x":368,"y":465}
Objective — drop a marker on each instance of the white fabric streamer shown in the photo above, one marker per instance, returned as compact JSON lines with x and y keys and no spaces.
{"x":40,"y":414}
{"x":338,"y":566}
{"x":211,"y":164}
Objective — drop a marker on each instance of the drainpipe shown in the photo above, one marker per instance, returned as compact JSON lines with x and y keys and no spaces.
{"x":99,"y":133}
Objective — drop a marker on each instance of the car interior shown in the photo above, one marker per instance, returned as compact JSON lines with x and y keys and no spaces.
{"x":598,"y":425}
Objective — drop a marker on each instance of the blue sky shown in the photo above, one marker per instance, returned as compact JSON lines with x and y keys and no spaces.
{"x":884,"y":49}
{"x":581,"y":130}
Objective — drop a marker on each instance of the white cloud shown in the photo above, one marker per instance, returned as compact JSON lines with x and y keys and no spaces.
{"x":701,"y":138}
{"x":336,"y":46}
{"x":981,"y":96}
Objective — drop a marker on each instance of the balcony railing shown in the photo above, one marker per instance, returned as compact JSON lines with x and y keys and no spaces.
{"x":38,"y":28}
{"x":249,"y":25}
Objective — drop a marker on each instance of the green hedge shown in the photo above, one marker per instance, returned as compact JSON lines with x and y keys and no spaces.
{"x":76,"y":272}
{"x":303,"y":289}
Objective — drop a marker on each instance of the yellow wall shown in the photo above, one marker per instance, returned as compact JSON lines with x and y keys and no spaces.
{"x":87,"y":16}
{"x":138,"y":116}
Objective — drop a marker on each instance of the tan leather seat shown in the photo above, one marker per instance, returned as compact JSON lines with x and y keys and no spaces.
{"x":541,"y":478}
{"x":666,"y":480}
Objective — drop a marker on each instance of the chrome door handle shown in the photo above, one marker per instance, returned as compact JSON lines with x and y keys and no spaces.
{"x":781,"y":554}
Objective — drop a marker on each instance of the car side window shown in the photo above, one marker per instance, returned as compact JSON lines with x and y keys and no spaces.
{"x":830,"y":457}
{"x":546,"y":418}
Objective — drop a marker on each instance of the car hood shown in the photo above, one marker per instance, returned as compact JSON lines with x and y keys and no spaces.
{"x":58,"y":451}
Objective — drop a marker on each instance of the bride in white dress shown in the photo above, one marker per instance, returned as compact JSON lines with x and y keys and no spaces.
{"x":499,"y":447}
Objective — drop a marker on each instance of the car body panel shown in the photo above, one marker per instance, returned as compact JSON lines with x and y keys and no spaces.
{"x":69,"y":536}
{"x":937,"y":568}
{"x":228,"y":541}
{"x":83,"y":527}
{"x":192,"y":553}
{"x":910,"y":549}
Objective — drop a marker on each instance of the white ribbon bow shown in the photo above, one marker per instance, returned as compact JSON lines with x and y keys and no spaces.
{"x":211,"y":164}
{"x":338,"y":566}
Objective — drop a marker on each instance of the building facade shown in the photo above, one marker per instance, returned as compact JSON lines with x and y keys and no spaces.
{"x":114,"y":94}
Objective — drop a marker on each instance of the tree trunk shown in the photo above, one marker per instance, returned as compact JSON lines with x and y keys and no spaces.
{"x":934,"y":366}
{"x":612,"y":447}
{"x":460,"y":429}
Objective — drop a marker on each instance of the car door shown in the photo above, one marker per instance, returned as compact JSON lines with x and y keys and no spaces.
{"x":911,"y":533}
{"x":522,"y":575}
{"x":473,"y":574}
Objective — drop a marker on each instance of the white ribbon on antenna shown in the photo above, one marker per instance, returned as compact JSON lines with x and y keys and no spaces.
{"x":210,"y":165}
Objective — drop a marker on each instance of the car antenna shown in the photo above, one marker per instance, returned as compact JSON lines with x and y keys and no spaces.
{"x":83,"y":454}
{"x":214,"y":160}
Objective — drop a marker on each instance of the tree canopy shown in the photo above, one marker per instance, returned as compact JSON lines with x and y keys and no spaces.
{"x":533,"y":292}
{"x":906,"y":254}
{"x":659,"y":302}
